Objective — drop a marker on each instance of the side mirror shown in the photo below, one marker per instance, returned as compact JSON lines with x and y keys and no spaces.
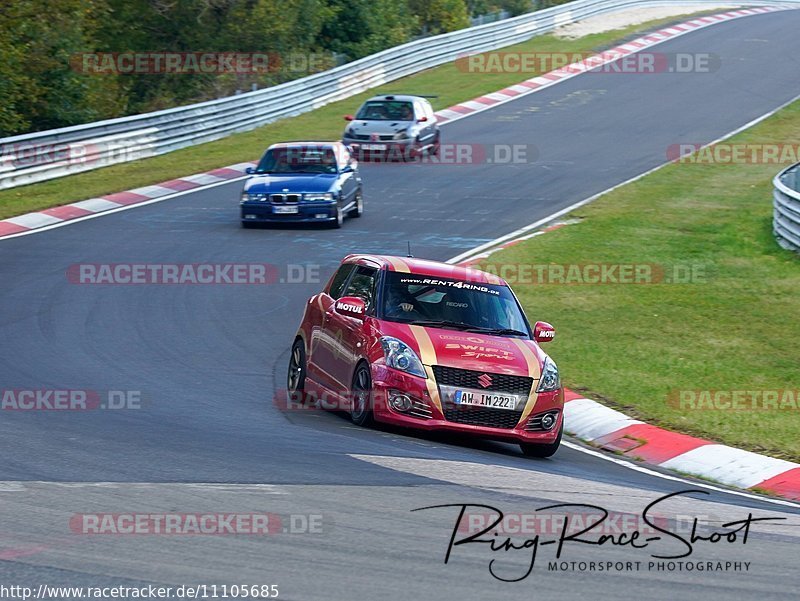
{"x":543,"y":332}
{"x":351,"y":306}
{"x":349,"y":118}
{"x":249,"y":170}
{"x":422,"y":119}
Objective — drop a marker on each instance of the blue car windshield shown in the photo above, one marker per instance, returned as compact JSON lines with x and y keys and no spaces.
{"x":298,"y":159}
{"x":452,"y":304}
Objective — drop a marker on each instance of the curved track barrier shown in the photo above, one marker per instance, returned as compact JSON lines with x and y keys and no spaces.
{"x":786,"y":201}
{"x":41,"y":156}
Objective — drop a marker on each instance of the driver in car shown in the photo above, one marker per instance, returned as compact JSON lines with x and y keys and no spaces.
{"x":401,"y":304}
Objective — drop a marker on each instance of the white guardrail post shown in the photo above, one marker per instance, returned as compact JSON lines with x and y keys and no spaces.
{"x":786,"y":202}
{"x":41,"y":156}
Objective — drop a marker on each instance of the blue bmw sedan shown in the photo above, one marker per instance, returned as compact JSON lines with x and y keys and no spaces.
{"x":303,"y":182}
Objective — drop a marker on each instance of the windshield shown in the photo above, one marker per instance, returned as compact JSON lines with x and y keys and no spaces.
{"x":452,"y":304}
{"x":386,"y":110}
{"x":299,"y":159}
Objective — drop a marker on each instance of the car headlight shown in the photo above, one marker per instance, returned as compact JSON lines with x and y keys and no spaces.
{"x":400,"y":356}
{"x":550,"y":380}
{"x":402,"y":135}
{"x":318,"y":196}
{"x":245,"y":197}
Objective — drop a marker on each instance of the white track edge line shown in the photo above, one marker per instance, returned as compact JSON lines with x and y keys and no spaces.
{"x":122,"y":208}
{"x":646,"y":470}
{"x":493,"y":244}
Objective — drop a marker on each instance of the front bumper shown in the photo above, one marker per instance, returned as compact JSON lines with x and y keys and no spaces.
{"x":307,"y":212}
{"x":385,"y":150}
{"x":386,"y":381}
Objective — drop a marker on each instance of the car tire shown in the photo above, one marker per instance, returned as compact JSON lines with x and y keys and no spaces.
{"x":412,"y":152}
{"x":339,"y":221}
{"x":296,"y":376}
{"x":358,"y":210}
{"x":542,"y":450}
{"x":434,"y":149}
{"x":361,"y":390}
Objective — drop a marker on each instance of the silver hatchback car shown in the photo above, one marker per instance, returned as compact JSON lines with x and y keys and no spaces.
{"x":393,"y":127}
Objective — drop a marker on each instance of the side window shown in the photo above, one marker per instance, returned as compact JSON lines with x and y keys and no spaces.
{"x":429,"y":111}
{"x":419,"y":110}
{"x":339,"y":280}
{"x":362,"y":285}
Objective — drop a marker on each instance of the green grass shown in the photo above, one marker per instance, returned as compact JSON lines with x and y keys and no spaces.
{"x":738,"y":329}
{"x":447,"y":81}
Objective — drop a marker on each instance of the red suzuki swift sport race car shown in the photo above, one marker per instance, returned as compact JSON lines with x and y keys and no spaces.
{"x":429,"y":346}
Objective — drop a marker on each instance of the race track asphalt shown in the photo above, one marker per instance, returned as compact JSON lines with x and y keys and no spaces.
{"x":207,"y":358}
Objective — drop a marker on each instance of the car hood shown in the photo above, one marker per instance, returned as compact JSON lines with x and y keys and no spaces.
{"x":378,"y":127}
{"x":465,"y":350}
{"x":262,"y":184}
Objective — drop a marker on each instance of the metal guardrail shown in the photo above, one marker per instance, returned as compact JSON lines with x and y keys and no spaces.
{"x":41,"y":156}
{"x":786,"y":203}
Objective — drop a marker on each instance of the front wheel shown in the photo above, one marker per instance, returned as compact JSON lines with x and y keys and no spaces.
{"x":361,"y":409}
{"x":434,"y":150}
{"x":542,"y":450}
{"x":339,"y":222}
{"x":358,"y":210}
{"x":296,"y":377}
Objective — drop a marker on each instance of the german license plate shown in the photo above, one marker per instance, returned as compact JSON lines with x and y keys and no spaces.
{"x":485,"y":399}
{"x":373,"y":146}
{"x":285,"y":210}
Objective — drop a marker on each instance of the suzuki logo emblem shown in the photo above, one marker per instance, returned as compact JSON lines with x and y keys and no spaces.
{"x":374,"y":137}
{"x":485,"y":380}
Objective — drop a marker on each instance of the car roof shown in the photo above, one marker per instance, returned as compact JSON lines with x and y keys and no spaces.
{"x":400,"y":97}
{"x":327,"y":144}
{"x":429,"y":268}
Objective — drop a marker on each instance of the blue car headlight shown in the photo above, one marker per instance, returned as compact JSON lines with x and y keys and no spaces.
{"x":550,"y":379}
{"x":319,"y":197}
{"x":399,"y":356}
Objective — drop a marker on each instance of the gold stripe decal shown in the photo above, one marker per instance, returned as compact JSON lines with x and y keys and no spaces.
{"x":399,"y":264}
{"x":535,"y":373}
{"x":427,"y":355}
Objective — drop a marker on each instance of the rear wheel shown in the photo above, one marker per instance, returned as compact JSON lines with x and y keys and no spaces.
{"x":542,"y":450}
{"x":361,"y":409}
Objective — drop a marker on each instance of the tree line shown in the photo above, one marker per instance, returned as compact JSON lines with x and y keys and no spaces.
{"x":66,"y":62}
